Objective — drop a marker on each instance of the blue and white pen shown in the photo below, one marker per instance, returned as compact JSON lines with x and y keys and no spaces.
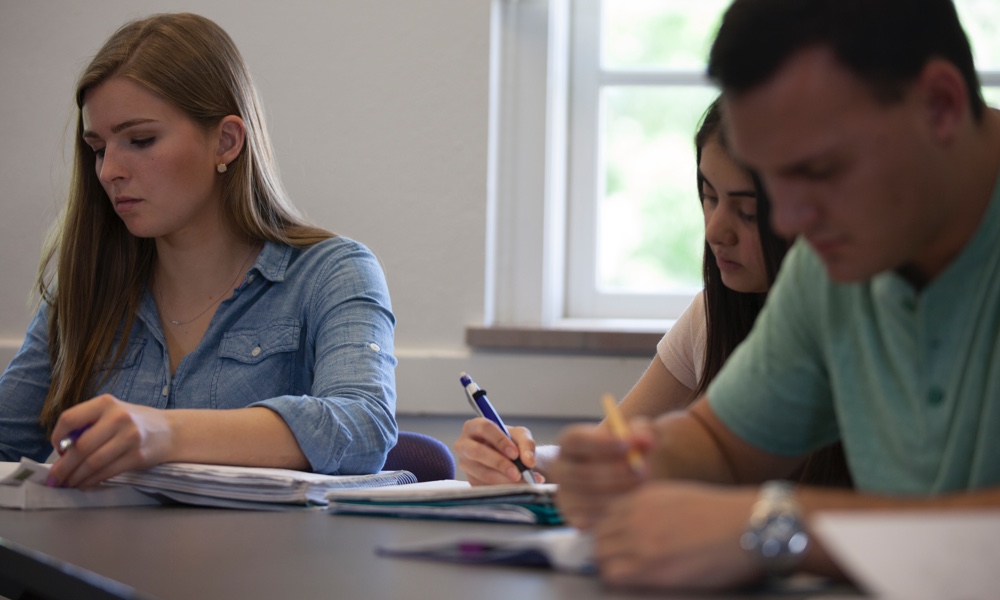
{"x":481,"y":404}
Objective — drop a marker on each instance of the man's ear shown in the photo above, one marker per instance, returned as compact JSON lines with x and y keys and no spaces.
{"x":232,"y":135}
{"x":945,"y":99}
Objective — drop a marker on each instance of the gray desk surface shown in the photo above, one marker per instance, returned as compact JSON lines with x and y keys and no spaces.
{"x":190,"y":553}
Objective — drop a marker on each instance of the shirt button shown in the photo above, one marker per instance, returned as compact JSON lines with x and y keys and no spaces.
{"x":255,"y":351}
{"x":374,"y":346}
{"x":250,"y":278}
{"x":165,"y":391}
{"x":935,"y":396}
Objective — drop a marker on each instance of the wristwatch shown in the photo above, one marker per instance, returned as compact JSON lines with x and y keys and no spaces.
{"x":775,"y":535}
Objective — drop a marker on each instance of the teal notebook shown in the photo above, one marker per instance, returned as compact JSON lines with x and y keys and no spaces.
{"x":452,"y":500}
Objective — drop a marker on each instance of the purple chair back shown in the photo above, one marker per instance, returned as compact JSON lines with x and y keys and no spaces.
{"x":429,"y":459}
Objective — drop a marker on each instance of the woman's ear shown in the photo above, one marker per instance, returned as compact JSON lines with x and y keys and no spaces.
{"x":232,"y":135}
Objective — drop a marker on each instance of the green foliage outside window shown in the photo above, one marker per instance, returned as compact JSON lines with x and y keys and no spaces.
{"x":650,"y":234}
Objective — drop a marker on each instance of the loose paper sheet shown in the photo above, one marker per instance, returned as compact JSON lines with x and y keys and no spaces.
{"x":917,"y":555}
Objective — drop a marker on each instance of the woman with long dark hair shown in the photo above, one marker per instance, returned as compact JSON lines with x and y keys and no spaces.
{"x":742,"y":257}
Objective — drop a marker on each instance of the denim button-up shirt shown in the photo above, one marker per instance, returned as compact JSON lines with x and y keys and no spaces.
{"x":308,"y":334}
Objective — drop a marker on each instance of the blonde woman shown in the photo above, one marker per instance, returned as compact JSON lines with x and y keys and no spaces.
{"x":188,"y":312}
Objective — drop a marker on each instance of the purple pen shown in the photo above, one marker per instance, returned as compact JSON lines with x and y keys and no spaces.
{"x":67,"y":442}
{"x":482,"y":406}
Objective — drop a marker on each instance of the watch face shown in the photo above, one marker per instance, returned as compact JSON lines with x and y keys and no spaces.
{"x":782,"y":535}
{"x":778,"y":543}
{"x":775,"y":535}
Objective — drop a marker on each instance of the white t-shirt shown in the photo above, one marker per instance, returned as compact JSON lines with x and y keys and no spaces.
{"x":682,"y":349}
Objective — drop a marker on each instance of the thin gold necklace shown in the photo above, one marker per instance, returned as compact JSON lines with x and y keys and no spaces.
{"x":176,"y":323}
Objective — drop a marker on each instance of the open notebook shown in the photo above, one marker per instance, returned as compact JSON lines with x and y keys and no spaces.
{"x":453,"y":500}
{"x":188,"y":483}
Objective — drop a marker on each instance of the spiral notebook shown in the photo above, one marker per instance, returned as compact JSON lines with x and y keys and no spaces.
{"x":452,"y":500}
{"x":248,"y":487}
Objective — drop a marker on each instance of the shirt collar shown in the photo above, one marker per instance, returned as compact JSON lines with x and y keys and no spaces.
{"x":272,"y":262}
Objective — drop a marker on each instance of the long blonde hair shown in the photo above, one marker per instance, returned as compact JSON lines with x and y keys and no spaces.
{"x":100,"y":269}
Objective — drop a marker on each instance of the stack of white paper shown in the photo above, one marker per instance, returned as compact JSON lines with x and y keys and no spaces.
{"x":22,"y":486}
{"x":917,"y":555}
{"x":187,"y":482}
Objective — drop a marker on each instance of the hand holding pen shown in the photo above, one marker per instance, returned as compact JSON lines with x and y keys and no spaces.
{"x":479,"y":448}
{"x":67,"y":442}
{"x":597,"y":464}
{"x":616,"y":422}
{"x":104,"y":436}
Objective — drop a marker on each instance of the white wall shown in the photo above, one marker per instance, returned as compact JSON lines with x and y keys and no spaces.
{"x":378,"y":111}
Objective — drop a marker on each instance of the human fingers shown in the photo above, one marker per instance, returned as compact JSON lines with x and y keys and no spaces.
{"x":614,"y":549}
{"x":521,"y":436}
{"x":77,"y":433}
{"x":581,"y":442}
{"x":582,"y":511}
{"x":642,"y":434}
{"x":592,"y":461}
{"x":678,"y":535}
{"x":114,"y":434}
{"x":138,"y":433}
{"x":478,"y":455}
{"x":592,"y":470}
{"x":108,"y":460}
{"x":595,"y":476}
{"x":126,"y":461}
{"x":486,"y":432}
{"x":75,"y":420}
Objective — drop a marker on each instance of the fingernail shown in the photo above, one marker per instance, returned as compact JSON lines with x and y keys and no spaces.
{"x":51,"y":481}
{"x":513,"y":474}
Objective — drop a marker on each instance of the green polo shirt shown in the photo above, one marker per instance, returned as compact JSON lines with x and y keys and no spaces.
{"x":910,"y":381}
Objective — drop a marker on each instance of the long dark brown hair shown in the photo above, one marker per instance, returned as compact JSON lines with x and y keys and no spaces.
{"x":730,"y":314}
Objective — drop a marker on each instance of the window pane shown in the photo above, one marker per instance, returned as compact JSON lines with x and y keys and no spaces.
{"x":650,"y":226}
{"x":659,"y":34}
{"x":981,"y":20}
{"x":992,"y":96}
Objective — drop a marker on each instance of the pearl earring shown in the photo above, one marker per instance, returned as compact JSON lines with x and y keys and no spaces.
{"x":221,"y":167}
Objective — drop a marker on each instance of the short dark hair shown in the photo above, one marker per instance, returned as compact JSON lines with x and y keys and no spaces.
{"x":885,"y":42}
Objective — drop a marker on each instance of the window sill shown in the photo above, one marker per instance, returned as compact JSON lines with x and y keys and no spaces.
{"x":602,"y":338}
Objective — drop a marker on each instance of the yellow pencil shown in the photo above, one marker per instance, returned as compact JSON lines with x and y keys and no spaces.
{"x":620,"y":430}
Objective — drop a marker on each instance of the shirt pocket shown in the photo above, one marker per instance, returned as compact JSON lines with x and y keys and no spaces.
{"x":258,"y":363}
{"x":117,"y":379}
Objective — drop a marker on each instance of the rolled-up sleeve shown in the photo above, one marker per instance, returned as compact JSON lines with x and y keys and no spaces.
{"x":347,"y":423}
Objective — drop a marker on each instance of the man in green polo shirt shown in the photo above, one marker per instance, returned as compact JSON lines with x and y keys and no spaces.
{"x":865,"y":120}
